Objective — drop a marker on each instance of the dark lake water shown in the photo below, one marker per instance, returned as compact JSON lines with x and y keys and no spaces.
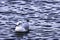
{"x":43,"y":15}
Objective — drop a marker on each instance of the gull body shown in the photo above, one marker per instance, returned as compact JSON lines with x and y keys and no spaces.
{"x":22,"y":27}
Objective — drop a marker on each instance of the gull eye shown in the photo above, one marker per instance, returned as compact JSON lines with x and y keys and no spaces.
{"x":19,"y":24}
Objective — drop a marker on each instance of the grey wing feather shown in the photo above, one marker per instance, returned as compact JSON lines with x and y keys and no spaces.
{"x":26,"y":26}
